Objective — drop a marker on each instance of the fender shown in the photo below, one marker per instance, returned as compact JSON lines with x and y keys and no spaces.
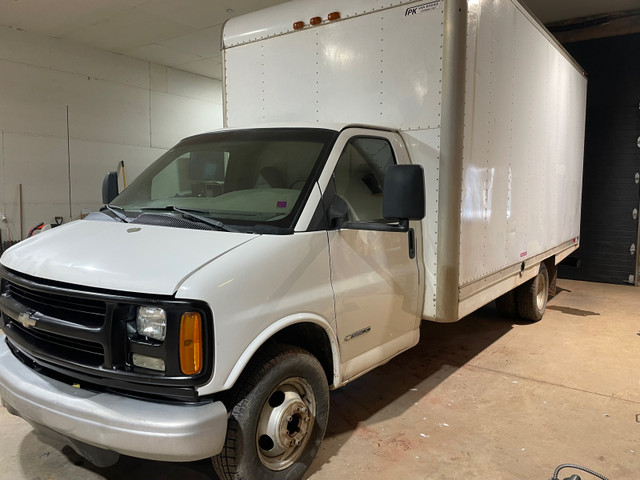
{"x":278,"y":326}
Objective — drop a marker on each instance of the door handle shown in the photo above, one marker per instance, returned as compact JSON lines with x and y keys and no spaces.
{"x":412,"y":244}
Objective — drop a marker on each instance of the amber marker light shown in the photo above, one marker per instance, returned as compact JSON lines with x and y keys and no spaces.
{"x":191,"y":343}
{"x":298,"y":25}
{"x":315,"y":21}
{"x":334,"y":16}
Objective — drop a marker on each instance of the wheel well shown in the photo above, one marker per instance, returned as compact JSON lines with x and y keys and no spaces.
{"x":312,"y":338}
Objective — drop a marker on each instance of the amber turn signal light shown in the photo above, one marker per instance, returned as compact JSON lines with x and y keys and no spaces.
{"x":191,"y":343}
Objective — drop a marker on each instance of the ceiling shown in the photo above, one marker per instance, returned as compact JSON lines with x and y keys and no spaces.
{"x":185,"y":34}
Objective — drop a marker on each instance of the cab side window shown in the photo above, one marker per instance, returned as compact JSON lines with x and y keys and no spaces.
{"x":359,"y":177}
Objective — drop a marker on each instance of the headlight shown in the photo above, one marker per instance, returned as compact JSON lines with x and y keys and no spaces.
{"x":152,"y":322}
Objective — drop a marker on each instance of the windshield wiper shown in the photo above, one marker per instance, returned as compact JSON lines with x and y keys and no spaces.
{"x":114,"y":209}
{"x":191,"y":214}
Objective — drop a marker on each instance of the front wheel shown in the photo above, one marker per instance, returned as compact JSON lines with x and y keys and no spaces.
{"x":278,"y":415}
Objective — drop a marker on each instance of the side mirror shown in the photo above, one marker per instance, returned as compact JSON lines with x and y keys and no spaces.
{"x":109,"y":187}
{"x":404,"y":196}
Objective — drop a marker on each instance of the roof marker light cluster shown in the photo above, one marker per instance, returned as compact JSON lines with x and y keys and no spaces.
{"x":299,"y":25}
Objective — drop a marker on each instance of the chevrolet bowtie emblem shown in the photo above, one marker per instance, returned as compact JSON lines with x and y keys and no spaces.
{"x":25,"y":319}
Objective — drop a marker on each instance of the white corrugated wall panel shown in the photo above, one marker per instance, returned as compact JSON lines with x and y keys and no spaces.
{"x":117,"y":106}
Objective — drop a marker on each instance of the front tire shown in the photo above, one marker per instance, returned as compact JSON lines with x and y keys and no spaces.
{"x":278,"y":413}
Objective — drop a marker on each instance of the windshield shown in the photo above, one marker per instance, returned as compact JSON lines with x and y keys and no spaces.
{"x":243,"y":178}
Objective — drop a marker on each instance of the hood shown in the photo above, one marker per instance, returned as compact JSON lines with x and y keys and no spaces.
{"x":119,"y":256}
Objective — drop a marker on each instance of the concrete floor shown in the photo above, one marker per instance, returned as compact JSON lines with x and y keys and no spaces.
{"x":482,"y":398}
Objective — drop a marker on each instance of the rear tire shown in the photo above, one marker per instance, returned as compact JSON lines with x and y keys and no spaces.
{"x":278,"y":413}
{"x":533,"y":296}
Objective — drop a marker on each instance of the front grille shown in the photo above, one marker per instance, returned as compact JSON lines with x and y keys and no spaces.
{"x":83,"y":311}
{"x":68,"y":326}
{"x":68,"y":348}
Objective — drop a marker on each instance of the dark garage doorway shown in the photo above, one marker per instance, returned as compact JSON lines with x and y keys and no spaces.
{"x":611,"y":190}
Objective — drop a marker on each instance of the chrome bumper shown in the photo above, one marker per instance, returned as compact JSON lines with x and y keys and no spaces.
{"x":111,"y":422}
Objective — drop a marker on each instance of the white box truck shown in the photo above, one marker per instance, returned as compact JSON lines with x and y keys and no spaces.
{"x":383,"y":162}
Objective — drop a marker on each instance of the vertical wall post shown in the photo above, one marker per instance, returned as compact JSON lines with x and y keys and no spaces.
{"x":21,"y":215}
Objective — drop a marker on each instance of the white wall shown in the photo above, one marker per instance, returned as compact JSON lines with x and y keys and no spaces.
{"x":119,"y":109}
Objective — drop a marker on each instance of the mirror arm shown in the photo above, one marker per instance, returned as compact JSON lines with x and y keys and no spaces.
{"x":402,"y":226}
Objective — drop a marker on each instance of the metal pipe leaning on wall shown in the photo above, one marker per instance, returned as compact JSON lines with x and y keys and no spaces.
{"x":21,"y":216}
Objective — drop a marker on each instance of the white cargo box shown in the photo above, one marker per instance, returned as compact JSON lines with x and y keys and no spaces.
{"x":486,"y":101}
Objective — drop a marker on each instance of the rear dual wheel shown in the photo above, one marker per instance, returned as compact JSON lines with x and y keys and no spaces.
{"x":529,"y":300}
{"x":507,"y":304}
{"x":533,"y":295}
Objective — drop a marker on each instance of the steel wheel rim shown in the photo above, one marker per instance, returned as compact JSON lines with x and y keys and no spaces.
{"x":541,"y":292}
{"x":285,"y":423}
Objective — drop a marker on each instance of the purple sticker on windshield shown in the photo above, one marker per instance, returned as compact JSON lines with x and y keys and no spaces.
{"x":282,"y":204}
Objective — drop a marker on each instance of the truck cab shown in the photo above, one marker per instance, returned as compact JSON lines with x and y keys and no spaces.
{"x":244,"y":248}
